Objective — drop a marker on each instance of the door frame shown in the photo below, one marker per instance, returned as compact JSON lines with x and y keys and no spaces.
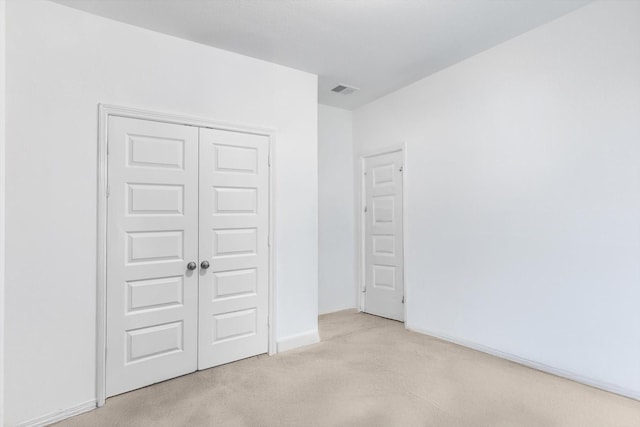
{"x":106,"y":111}
{"x":362,"y":225}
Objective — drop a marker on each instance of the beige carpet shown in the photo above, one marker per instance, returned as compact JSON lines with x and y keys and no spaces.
{"x":368,"y":371}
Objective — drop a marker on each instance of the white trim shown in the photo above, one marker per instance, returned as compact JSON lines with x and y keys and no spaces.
{"x":56,"y":416}
{"x":361,"y":223}
{"x":273,"y":348}
{"x":298,"y":340}
{"x":335,"y":310}
{"x":602,"y":385}
{"x":104,"y":112}
{"x":136,"y":113}
{"x":101,"y":260}
{"x":3,"y":142}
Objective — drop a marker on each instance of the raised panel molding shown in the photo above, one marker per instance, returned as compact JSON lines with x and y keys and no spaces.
{"x":384,"y":276}
{"x":151,"y":151}
{"x":155,"y":199}
{"x":236,"y":159}
{"x":232,"y":200}
{"x":234,"y":283}
{"x":145,"y":343}
{"x":240,"y":241}
{"x":154,"y":246}
{"x":153,"y":294}
{"x":383,"y":175}
{"x":383,"y":207}
{"x":237,"y":324}
{"x":384,"y":245}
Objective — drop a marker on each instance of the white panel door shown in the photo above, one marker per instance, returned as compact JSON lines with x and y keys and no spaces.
{"x":152,"y":224}
{"x":384,"y":277}
{"x":234,"y":229}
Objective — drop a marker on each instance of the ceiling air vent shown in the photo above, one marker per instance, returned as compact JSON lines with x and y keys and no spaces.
{"x":344,"y":89}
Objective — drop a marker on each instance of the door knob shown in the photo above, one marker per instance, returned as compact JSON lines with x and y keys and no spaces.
{"x":192,"y":265}
{"x":204,"y":265}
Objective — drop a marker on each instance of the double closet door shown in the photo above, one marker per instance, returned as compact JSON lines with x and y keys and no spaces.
{"x":187,"y":250}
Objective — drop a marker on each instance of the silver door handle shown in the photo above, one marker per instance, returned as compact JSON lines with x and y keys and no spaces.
{"x":192,"y":265}
{"x":204,"y":265}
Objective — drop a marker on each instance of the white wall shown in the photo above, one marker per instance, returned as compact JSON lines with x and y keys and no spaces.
{"x":523,"y":181}
{"x":3,"y":23}
{"x":61,"y":63}
{"x":336,"y":201}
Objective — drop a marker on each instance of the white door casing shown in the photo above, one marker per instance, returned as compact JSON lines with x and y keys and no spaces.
{"x":152,"y":234}
{"x":234,"y":232}
{"x":383,"y":235}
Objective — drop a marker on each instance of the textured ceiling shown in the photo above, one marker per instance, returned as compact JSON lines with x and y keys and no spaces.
{"x":375,"y":45}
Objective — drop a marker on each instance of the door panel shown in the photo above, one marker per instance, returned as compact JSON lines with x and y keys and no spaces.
{"x":234,"y":227}
{"x":180,"y":194}
{"x":152,"y":234}
{"x":384,"y":279}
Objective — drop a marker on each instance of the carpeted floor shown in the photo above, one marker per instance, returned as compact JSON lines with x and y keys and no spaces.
{"x":368,"y":371}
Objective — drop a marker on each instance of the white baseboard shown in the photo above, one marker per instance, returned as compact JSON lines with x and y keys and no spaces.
{"x":633,"y":394}
{"x":54,"y":417}
{"x":298,"y":340}
{"x":336,"y":310}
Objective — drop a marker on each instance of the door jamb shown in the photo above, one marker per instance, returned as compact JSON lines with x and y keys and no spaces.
{"x":361,"y":226}
{"x":106,"y":111}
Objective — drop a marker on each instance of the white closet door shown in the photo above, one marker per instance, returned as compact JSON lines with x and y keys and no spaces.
{"x":234,"y":228}
{"x":384,"y":277}
{"x":152,"y":297}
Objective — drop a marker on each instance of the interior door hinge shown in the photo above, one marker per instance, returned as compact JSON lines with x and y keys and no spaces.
{"x":364,"y":289}
{"x":403,"y":299}
{"x":401,"y":168}
{"x":365,"y":209}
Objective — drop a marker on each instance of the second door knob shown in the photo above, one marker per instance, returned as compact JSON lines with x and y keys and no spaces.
{"x":204,"y":265}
